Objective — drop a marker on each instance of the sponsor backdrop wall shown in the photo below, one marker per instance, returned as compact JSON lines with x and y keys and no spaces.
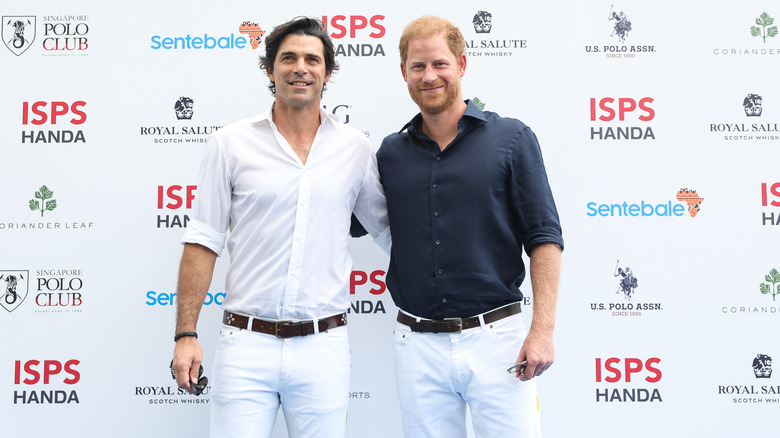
{"x":659,"y":123}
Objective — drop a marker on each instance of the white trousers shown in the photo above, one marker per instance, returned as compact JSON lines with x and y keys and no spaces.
{"x":438,"y":374}
{"x":255,"y":373}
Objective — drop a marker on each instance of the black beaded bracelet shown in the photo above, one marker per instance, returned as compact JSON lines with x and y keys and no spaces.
{"x":184,"y":335}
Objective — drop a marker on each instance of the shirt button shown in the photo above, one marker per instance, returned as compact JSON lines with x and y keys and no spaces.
{"x":438,"y":158}
{"x":435,"y":185}
{"x":440,"y":271}
{"x":438,"y":242}
{"x":435,"y":213}
{"x":443,"y":300}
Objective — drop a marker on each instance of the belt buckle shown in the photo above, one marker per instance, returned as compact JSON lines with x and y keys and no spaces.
{"x":277,"y":327}
{"x":460,"y":323}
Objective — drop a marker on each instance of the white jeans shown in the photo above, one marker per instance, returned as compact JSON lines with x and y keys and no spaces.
{"x":438,"y":374}
{"x":255,"y":373}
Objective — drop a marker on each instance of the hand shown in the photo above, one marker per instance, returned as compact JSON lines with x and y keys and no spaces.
{"x":187,"y":359}
{"x":539,"y":353}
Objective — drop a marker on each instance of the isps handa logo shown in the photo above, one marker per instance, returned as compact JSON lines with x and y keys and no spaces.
{"x":54,"y":122}
{"x":248,"y":33}
{"x":46,"y":215}
{"x":756,"y":390}
{"x":628,"y":380}
{"x":356,"y":35}
{"x":621,"y":118}
{"x":621,"y":30}
{"x":173,"y":204}
{"x":36,"y":381}
{"x":685,"y":198}
{"x":626,"y":302}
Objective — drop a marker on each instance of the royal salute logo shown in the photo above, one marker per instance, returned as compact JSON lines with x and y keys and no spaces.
{"x":747,"y":127}
{"x":760,"y":42}
{"x":180,"y":131}
{"x":615,"y":47}
{"x":743,"y":390}
{"x":18,"y":32}
{"x":752,"y":105}
{"x":762,"y":366}
{"x":625,"y":284}
{"x":253,"y":32}
{"x":483,"y":22}
{"x":494,"y":40}
{"x":15,"y":286}
{"x":183,"y":108}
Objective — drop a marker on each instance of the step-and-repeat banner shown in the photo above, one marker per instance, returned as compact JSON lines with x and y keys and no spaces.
{"x":660,"y":128}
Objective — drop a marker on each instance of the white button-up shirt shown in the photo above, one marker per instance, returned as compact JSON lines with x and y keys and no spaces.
{"x":288,"y":221}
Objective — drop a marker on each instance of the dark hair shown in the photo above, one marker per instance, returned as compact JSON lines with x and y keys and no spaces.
{"x":297,"y":26}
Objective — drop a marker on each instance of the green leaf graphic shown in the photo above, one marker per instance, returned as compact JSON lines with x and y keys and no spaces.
{"x":774,"y":278}
{"x":478,"y":103}
{"x":772,"y":31}
{"x":765,"y":289}
{"x":764,"y":20}
{"x":755,"y":31}
{"x":43,"y":194}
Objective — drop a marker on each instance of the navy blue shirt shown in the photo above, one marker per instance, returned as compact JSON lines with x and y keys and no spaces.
{"x":461,"y":217}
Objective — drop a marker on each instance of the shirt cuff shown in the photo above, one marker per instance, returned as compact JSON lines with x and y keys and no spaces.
{"x":202,"y":234}
{"x":384,"y":240}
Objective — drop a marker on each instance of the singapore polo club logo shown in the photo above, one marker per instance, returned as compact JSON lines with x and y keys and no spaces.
{"x":18,"y":33}
{"x":764,"y":28}
{"x":44,"y":201}
{"x":15,"y":287}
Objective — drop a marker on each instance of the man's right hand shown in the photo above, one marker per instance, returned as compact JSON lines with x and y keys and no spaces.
{"x":187,"y":358}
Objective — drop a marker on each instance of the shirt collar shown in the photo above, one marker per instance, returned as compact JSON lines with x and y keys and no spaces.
{"x":472,"y":112}
{"x":268,"y":115}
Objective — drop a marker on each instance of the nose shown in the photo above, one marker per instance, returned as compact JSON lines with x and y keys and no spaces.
{"x":300,"y":66}
{"x":429,"y":76}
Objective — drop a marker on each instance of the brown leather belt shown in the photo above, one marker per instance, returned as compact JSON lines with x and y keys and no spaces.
{"x":456,"y":325}
{"x":283,"y":329}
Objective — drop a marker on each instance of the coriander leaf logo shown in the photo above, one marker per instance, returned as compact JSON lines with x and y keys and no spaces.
{"x":44,"y":194}
{"x":764,"y":20}
{"x":480,"y":104}
{"x":774,"y":278}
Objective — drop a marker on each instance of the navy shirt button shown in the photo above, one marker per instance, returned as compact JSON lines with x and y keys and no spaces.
{"x":438,"y":158}
{"x":443,"y":300}
{"x":435,"y":213}
{"x":438,"y":242}
{"x":435,"y":185}
{"x":440,"y":271}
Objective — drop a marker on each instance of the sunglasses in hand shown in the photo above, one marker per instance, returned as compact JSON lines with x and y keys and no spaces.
{"x":199,"y":387}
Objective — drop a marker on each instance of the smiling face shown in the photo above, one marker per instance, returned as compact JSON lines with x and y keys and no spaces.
{"x":299,"y":72}
{"x":432,"y":74}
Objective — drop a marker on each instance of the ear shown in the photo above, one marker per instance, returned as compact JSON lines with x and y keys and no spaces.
{"x":270,"y":74}
{"x":327,"y":77}
{"x":462,"y":65}
{"x":403,"y":71}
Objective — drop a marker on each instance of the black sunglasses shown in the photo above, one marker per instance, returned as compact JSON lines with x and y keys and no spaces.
{"x":203,"y":381}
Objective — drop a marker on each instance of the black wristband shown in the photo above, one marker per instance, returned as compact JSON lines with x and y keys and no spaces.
{"x":184,"y":335}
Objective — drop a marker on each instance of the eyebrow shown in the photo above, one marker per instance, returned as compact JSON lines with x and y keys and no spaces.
{"x":290,"y":52}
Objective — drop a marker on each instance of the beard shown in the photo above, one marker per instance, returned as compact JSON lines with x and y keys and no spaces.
{"x":435,"y":104}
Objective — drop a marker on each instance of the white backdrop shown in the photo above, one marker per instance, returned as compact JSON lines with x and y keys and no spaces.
{"x":87,"y":110}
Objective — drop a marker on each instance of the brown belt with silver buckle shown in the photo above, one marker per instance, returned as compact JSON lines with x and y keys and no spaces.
{"x":456,"y":325}
{"x":283,"y":329}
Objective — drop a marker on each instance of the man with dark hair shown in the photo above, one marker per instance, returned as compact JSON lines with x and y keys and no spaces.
{"x":280,"y":189}
{"x":466,"y":191}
